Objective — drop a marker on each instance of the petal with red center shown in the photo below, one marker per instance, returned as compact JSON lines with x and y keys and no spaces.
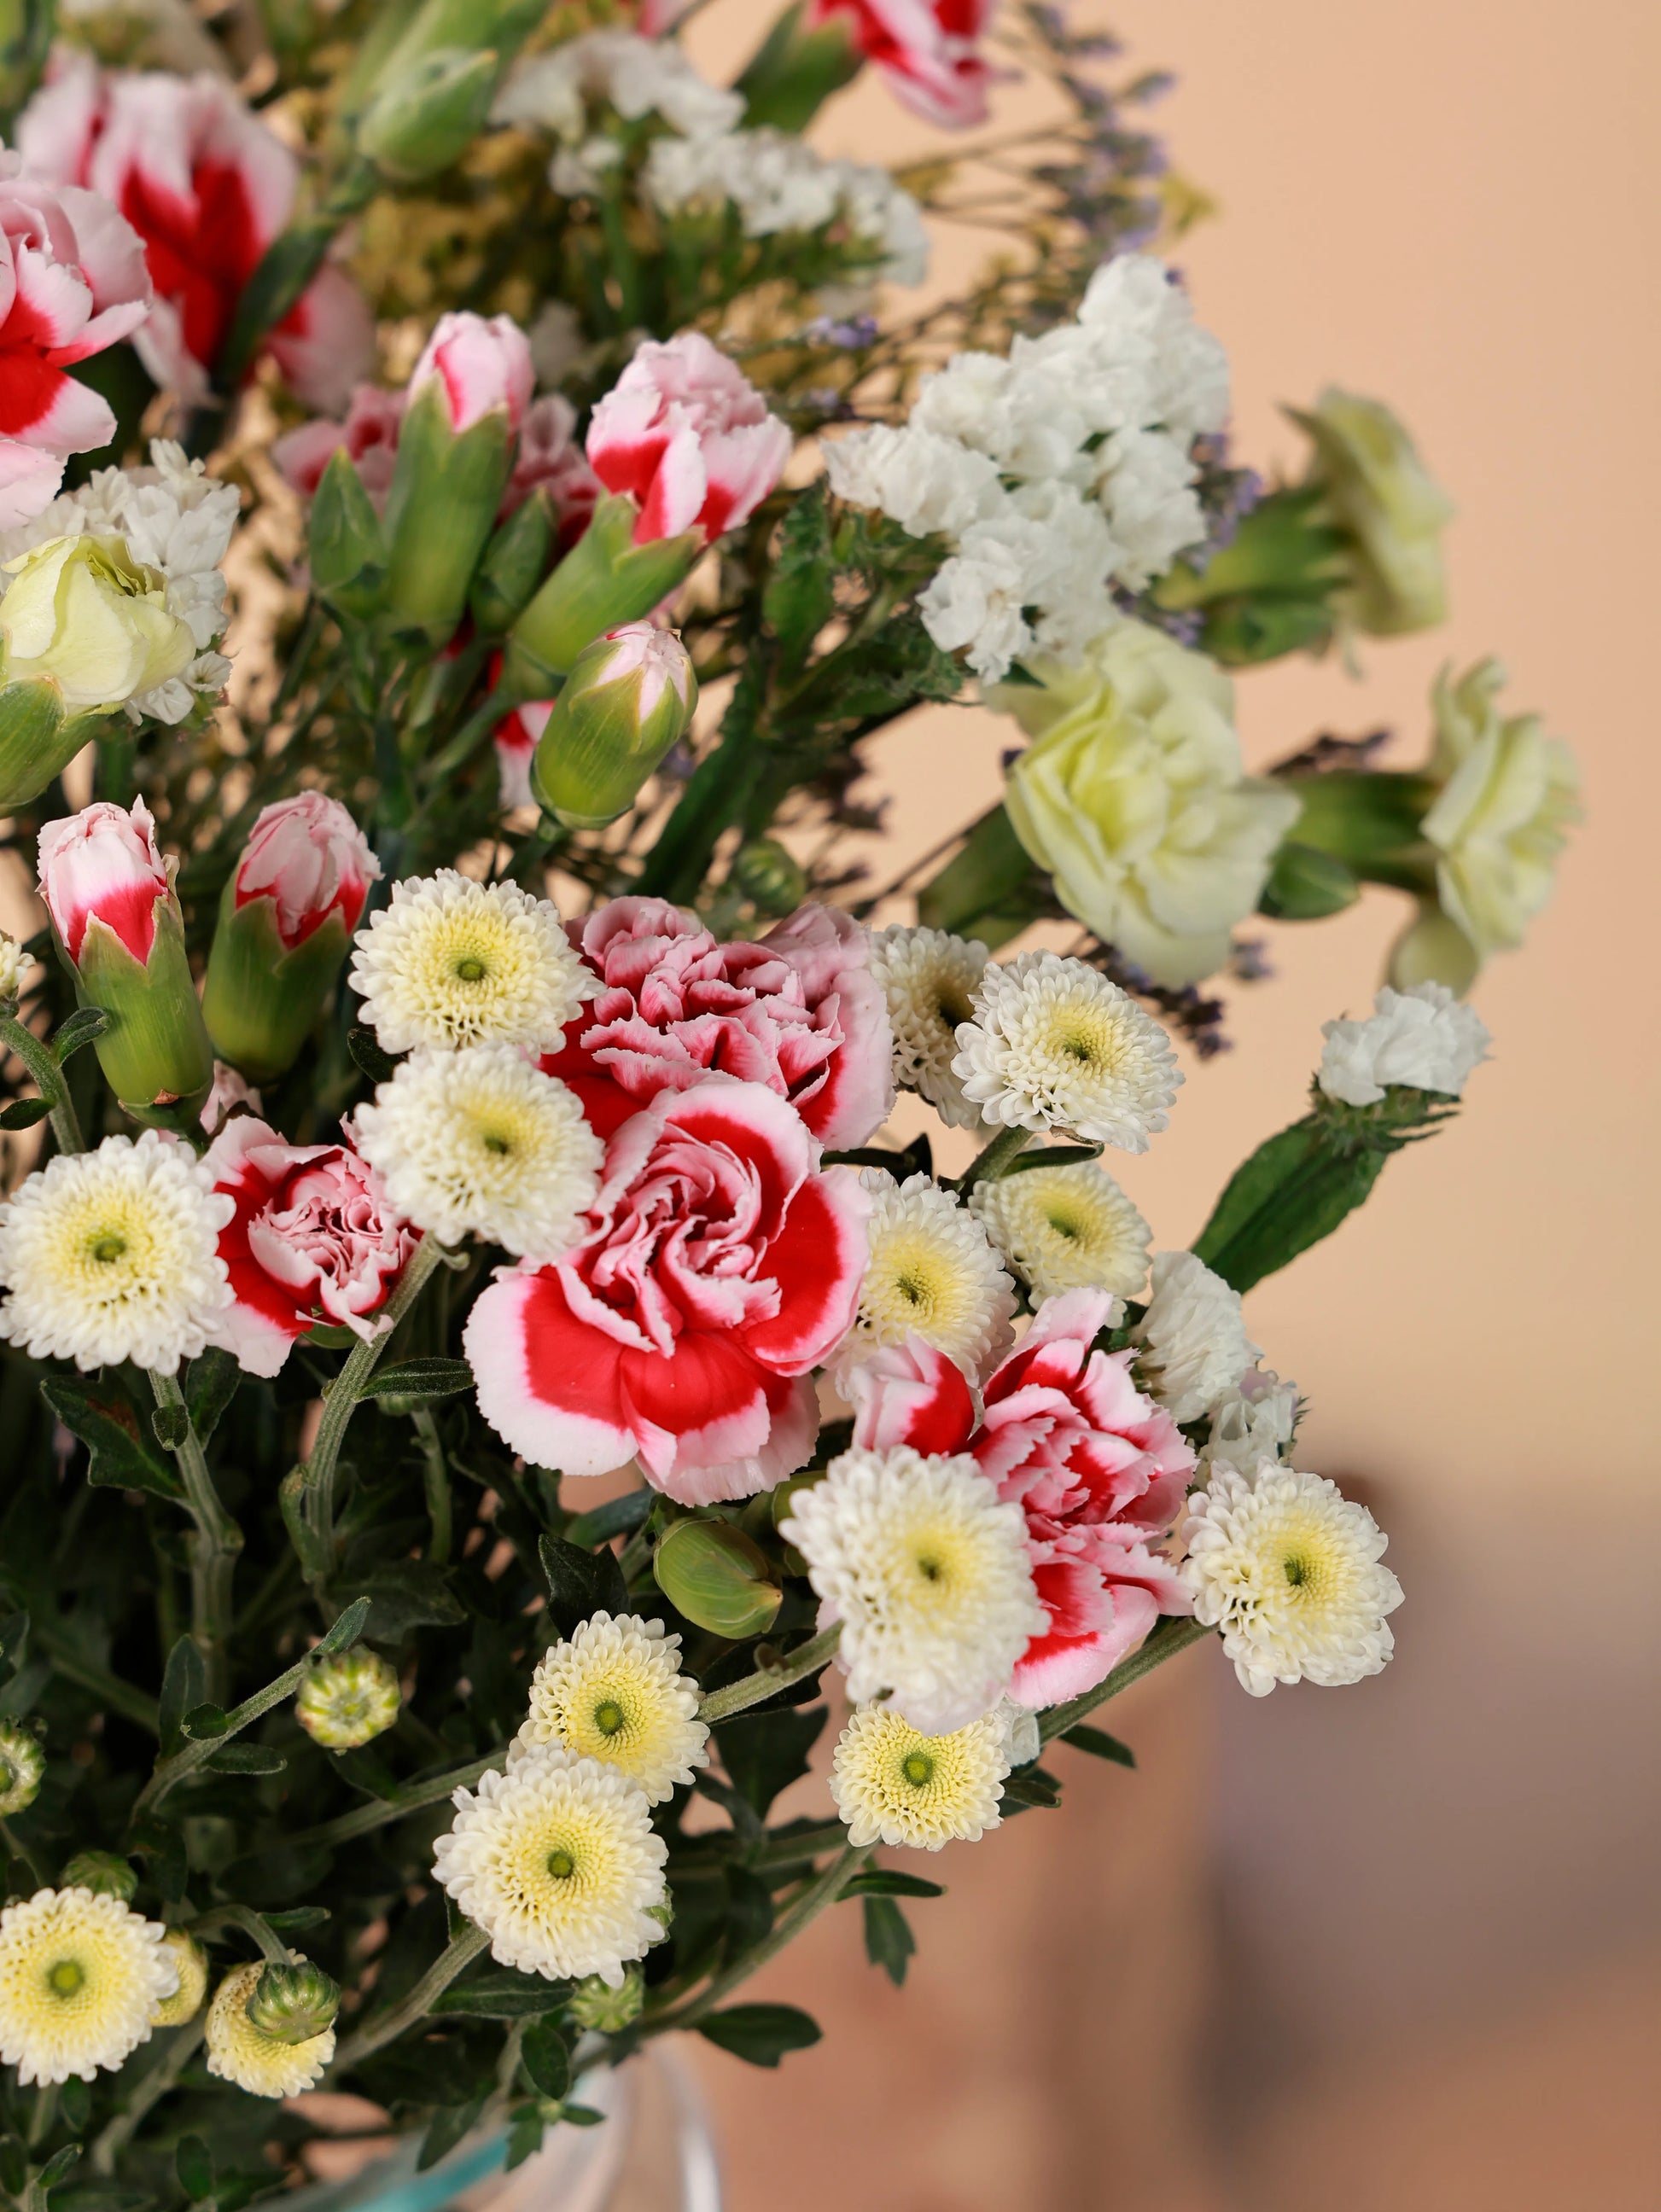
{"x":750,"y":1428}
{"x":817,"y":1261}
{"x":910,"y":1393}
{"x":547,"y":1385}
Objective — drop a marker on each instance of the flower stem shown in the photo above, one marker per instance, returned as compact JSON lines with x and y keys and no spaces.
{"x":374,"y":2036}
{"x":807,"y":1904}
{"x":215,"y":1546}
{"x":1170,"y":1636}
{"x":49,"y":1081}
{"x":364,"y":1819}
{"x":437,"y":1480}
{"x":766,"y":1681}
{"x":147,"y":2091}
{"x":987,"y":1166}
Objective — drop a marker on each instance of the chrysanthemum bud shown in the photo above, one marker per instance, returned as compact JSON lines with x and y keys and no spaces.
{"x":514,"y":563}
{"x":83,"y":612}
{"x":119,"y":927}
{"x":629,"y":696}
{"x":38,"y":739}
{"x":22,"y":1764}
{"x":428,"y":113}
{"x":717,"y":1578}
{"x":594,"y":2004}
{"x":15,"y":967}
{"x":286,"y":918}
{"x":346,"y":544}
{"x":347,"y":1699}
{"x":294,"y":2003}
{"x":185,"y":2001}
{"x":603,"y":581}
{"x":103,"y":1873}
{"x":769,"y":877}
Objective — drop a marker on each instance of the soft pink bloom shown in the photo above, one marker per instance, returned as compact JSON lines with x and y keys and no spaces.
{"x":207,"y":187}
{"x":228,"y":1091}
{"x":929,"y":51}
{"x":685,"y":433}
{"x":310,"y":858}
{"x":801,"y":1012}
{"x":1100,"y":1470}
{"x":480,"y":362}
{"x":370,"y":433}
{"x":313,"y":1240}
{"x":72,"y":282}
{"x":719,"y":1267}
{"x":549,"y":457}
{"x":102,"y":866}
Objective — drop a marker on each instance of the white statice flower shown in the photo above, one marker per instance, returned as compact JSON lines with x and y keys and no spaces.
{"x":932,"y":1272}
{"x":557,"y":1861}
{"x":635,"y":77}
{"x":453,"y":962}
{"x":480,"y":1143}
{"x":928,"y":1570}
{"x":1194,"y":1345}
{"x":1291,"y":1571}
{"x":114,"y":1254}
{"x":780,"y":184}
{"x":614,"y":1692}
{"x":1066,"y":1228}
{"x":926,"y":483}
{"x":1253,"y":1422}
{"x":16,"y":966}
{"x":976,"y":603}
{"x":893,"y":1784}
{"x":1424,"y":1036}
{"x":1055,"y":1045}
{"x":262,"y":2064}
{"x":929,"y":979}
{"x":80,"y":1977}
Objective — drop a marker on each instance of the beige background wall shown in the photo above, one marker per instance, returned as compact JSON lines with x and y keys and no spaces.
{"x":1398,"y":1946}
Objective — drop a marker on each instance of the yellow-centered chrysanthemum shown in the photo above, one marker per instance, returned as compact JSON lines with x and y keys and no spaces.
{"x":262,"y":2065}
{"x":929,"y":979}
{"x":893,"y":1784}
{"x":81,"y":1976}
{"x":614,"y":1692}
{"x":191,"y":1961}
{"x":1065,"y":1229}
{"x":931,"y":1273}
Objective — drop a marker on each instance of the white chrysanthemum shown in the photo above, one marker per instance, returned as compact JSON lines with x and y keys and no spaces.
{"x":929,"y":978}
{"x":1423,"y":1036}
{"x":1289,"y":1569}
{"x":928,"y":1570}
{"x":1251,"y":1424}
{"x":347,"y":1699}
{"x":557,"y":1861}
{"x":15,"y":967}
{"x":614,"y":1692}
{"x":1195,"y":1348}
{"x":261,"y":2064}
{"x":482,"y":1144}
{"x":893,"y":1784}
{"x":1053,"y":1044}
{"x":932,"y":1272}
{"x":191,"y":1961}
{"x":80,"y":1975}
{"x":114,"y":1254}
{"x":1066,"y":1228}
{"x":453,"y":963}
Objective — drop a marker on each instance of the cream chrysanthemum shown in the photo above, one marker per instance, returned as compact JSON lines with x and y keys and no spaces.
{"x":893,"y":1784}
{"x":15,"y":967}
{"x":261,"y":2064}
{"x":1065,"y":1229}
{"x":482,"y":1144}
{"x":614,"y":1692}
{"x":1290,"y":1571}
{"x":114,"y":1254}
{"x":80,"y":1977}
{"x":1054,"y":1045}
{"x":1195,"y":1348}
{"x":453,"y":963}
{"x":557,"y":1861}
{"x":930,"y":978}
{"x":22,"y":1763}
{"x":191,"y":1961}
{"x":932,"y":1272}
{"x":347,"y":1699}
{"x":929,"y":1573}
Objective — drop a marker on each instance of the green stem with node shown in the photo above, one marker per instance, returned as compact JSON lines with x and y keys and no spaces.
{"x":1165,"y":1640}
{"x":366,"y":1819}
{"x":50,"y":1080}
{"x":375,"y":2034}
{"x":996,"y":1160}
{"x":806,"y":1906}
{"x":216,"y":1543}
{"x":767,"y":1682}
{"x":437,"y":1476}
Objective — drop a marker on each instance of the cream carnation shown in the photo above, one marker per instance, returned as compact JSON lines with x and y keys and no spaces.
{"x":893,"y":1784}
{"x":557,"y":1861}
{"x":932,"y":1274}
{"x":927,"y":1572}
{"x":1423,"y":1036}
{"x":481,"y":1143}
{"x":80,"y":1977}
{"x":929,"y":978}
{"x":614,"y":1692}
{"x":453,"y":963}
{"x":262,"y":2064}
{"x":1053,"y":1044}
{"x":1195,"y":1348}
{"x":114,"y":1254}
{"x":1067,"y":1227}
{"x":1290,"y":1571}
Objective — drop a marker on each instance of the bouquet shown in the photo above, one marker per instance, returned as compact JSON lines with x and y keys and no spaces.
{"x":471,"y":488}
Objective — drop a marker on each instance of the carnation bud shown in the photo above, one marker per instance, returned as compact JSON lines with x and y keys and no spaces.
{"x":185,"y":2001}
{"x":117,"y":925}
{"x":428,"y":113}
{"x":22,"y":1764}
{"x":769,"y":877}
{"x":605,"y":581}
{"x":83,"y":613}
{"x":293,"y":2004}
{"x":347,"y":1699}
{"x":38,"y":739}
{"x":286,"y":918}
{"x":717,"y":1578}
{"x":101,"y":1871}
{"x":593,"y":2003}
{"x":624,"y":704}
{"x":794,"y":70}
{"x":347,"y":544}
{"x":1305,"y":883}
{"x":513,"y":564}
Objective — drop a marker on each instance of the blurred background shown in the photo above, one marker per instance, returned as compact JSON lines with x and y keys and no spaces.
{"x":1398,"y":1946}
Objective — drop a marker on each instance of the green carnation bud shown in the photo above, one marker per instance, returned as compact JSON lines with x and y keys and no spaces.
{"x":628,"y":697}
{"x":102,"y":1873}
{"x":717,"y":1578}
{"x":595,"y":2004}
{"x":427,"y":115}
{"x":38,"y":739}
{"x":794,"y":70}
{"x":769,"y":877}
{"x":293,"y":2004}
{"x":605,"y":581}
{"x":22,"y":1764}
{"x":514,"y":561}
{"x":347,"y":1699}
{"x":346,"y":543}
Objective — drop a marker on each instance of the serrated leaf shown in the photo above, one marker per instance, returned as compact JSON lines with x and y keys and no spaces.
{"x":365,"y":1048}
{"x":122,"y":1456}
{"x":211,"y":1383}
{"x":85,"y":1023}
{"x":24,"y":1113}
{"x":619,"y":1517}
{"x":194,"y":2163}
{"x":885,"y":1881}
{"x":348,"y":1628}
{"x":1100,"y":1745}
{"x":182,"y":1683}
{"x":760,"y":2034}
{"x":889,"y":1942}
{"x":580,"y":1584}
{"x":420,"y":1378}
{"x":546,"y":2058}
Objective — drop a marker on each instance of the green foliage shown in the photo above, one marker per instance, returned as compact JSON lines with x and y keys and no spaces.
{"x":761,"y":2034}
{"x":1099,"y":1744}
{"x":889,"y":1942}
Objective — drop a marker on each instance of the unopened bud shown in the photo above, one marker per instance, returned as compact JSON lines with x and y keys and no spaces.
{"x":769,"y":877}
{"x":717,"y":1578}
{"x":429,"y":113}
{"x":38,"y":738}
{"x":102,"y":1873}
{"x":15,"y":967}
{"x":191,"y":1961}
{"x":605,"y":581}
{"x":347,"y":544}
{"x":594,"y":2004}
{"x":347,"y":1699}
{"x":293,"y":2004}
{"x":629,"y":696}
{"x":22,"y":1764}
{"x":513,"y":564}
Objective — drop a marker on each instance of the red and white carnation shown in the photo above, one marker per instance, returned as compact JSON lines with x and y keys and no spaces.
{"x":312,"y":1241}
{"x":480,"y":362}
{"x":550,"y":459}
{"x":927,"y":50}
{"x":104,"y":865}
{"x":369,"y":435}
{"x":801,"y":1012}
{"x":718,"y":1266}
{"x":310,"y":858}
{"x":688,"y":435}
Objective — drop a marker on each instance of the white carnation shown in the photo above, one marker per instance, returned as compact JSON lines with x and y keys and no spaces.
{"x":925,"y":483}
{"x":1424,"y":1036}
{"x":1195,"y":1348}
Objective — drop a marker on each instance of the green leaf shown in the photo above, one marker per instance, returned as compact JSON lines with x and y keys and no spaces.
{"x":365,"y":1048}
{"x":298,"y":1919}
{"x":205,"y":1721}
{"x":183,"y":1684}
{"x":171,"y":1424}
{"x":1294,"y":1190}
{"x":194,"y":2163}
{"x":764,"y":1753}
{"x":408,"y":1594}
{"x":749,"y":1911}
{"x":420,"y":1378}
{"x":525,"y":2134}
{"x":122,"y":1456}
{"x":889,"y":1942}
{"x":801,"y":595}
{"x":580,"y":1583}
{"x":347,"y":1630}
{"x":24,"y":1113}
{"x":546,"y":2058}
{"x":211,"y":1383}
{"x":885,"y":1881}
{"x":246,"y":1759}
{"x":13,"y":2166}
{"x":14,"y":1636}
{"x":581,"y":2115}
{"x":760,"y":2034}
{"x":1100,"y":1745}
{"x":57,"y":2166}
{"x":1031,"y":1785}
{"x":85,"y":1023}
{"x":75,"y":2103}
{"x":447,"y":2130}
{"x":1053,"y":1156}
{"x":619,"y":1517}
{"x":504,"y":1996}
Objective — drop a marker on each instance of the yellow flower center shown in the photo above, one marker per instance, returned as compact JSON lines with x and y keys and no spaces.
{"x":918,"y":1769}
{"x":109,"y":1245}
{"x":66,"y":1979}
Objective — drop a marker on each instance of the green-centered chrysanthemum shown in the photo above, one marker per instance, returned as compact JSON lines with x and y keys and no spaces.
{"x":262,"y":2065}
{"x":80,"y":1978}
{"x":347,"y":1699}
{"x":1065,"y":1229}
{"x":932,"y":1274}
{"x":893,"y":1784}
{"x":614,"y":1692}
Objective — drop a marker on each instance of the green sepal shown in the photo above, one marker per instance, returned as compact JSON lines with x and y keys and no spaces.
{"x":603,"y":581}
{"x":1370,"y":818}
{"x":426,"y":115}
{"x":794,"y":71}
{"x":1305,"y":884}
{"x":346,"y":544}
{"x":260,"y":999}
{"x":514,"y":562}
{"x":441,"y":510}
{"x":38,"y":740}
{"x":155,"y":1054}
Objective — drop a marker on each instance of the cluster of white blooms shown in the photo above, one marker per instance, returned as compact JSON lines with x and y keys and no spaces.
{"x":1423,"y":1036}
{"x":1059,"y":472}
{"x":174,"y":518}
{"x":635,"y":77}
{"x":1193,"y":1346}
{"x":932,"y":1274}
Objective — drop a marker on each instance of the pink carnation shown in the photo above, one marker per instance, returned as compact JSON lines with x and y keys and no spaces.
{"x":310,"y":858}
{"x":550,"y":459}
{"x":801,"y":1012}
{"x":688,"y":435}
{"x":720,"y":1265}
{"x":369,"y":435}
{"x":480,"y":363}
